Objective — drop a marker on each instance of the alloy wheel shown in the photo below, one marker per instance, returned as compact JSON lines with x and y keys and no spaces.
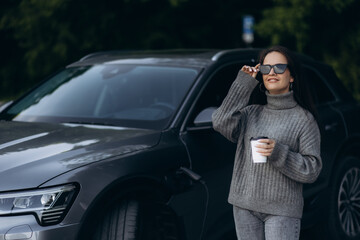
{"x":349,"y":202}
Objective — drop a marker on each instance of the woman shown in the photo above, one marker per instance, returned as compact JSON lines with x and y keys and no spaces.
{"x":267,"y":197}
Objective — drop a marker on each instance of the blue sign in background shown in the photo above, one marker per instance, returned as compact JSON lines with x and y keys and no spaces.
{"x":248,"y":23}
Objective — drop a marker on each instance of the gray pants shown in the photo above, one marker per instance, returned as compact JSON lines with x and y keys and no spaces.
{"x":252,"y":225}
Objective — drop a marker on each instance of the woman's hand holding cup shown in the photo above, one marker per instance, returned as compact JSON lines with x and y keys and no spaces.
{"x":265,"y":149}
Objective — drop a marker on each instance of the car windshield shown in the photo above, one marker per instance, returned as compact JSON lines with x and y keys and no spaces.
{"x":136,"y":96}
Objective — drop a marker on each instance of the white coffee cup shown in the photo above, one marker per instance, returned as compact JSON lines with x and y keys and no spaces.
{"x":256,"y":156}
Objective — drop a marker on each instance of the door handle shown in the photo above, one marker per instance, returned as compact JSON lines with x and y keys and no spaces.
{"x":331,"y":126}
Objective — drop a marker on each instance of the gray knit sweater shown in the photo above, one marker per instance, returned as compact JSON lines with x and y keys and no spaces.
{"x":274,"y":187}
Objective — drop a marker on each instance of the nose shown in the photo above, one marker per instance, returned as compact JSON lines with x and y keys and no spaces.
{"x":272,"y":71}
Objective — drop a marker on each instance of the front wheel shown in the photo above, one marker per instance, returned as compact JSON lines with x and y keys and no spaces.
{"x":134,"y":220}
{"x":344,"y":212}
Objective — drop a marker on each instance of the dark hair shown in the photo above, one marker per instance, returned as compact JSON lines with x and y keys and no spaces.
{"x":301,"y":92}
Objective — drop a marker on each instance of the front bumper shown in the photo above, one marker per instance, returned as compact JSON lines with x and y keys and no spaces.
{"x":26,"y":227}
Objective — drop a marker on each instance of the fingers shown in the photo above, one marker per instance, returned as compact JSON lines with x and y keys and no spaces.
{"x":267,"y":148}
{"x":266,"y":140}
{"x":249,"y":69}
{"x":252,"y":71}
{"x":265,"y":152}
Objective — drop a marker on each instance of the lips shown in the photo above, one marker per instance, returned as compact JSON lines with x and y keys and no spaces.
{"x":272,"y":80}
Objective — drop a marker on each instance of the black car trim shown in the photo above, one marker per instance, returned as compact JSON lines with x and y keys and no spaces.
{"x":203,"y":86}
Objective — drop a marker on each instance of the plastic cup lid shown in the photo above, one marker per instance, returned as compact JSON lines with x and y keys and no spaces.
{"x":257,"y":138}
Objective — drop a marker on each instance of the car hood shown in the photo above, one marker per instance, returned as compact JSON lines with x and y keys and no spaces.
{"x":33,"y":153}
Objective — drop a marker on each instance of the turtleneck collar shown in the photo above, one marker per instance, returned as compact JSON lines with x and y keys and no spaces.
{"x":280,"y":101}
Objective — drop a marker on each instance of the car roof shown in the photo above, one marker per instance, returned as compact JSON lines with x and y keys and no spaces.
{"x":177,"y":57}
{"x":197,"y":58}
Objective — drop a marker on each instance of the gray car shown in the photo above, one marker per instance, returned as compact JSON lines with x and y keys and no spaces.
{"x":120,"y":146}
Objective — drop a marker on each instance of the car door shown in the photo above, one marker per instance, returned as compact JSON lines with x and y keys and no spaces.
{"x":330,"y":123}
{"x":211,"y":154}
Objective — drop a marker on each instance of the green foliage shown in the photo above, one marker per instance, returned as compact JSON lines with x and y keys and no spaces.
{"x":325,"y":29}
{"x":286,"y":23}
{"x":39,"y":36}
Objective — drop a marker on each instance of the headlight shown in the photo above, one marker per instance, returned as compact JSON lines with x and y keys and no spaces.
{"x":48,"y":204}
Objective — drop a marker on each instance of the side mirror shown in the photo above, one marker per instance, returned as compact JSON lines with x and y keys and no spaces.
{"x":204,"y":117}
{"x":5,"y":105}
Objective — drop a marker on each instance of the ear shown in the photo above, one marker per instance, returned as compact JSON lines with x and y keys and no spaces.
{"x":291,"y":79}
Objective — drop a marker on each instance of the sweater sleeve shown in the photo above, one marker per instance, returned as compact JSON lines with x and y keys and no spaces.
{"x":304,"y":166}
{"x":228,"y":118}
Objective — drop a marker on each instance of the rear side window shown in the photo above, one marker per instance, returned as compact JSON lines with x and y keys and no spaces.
{"x":320,"y":92}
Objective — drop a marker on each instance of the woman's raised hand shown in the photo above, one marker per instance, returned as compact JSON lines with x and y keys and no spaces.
{"x":252,"y":71}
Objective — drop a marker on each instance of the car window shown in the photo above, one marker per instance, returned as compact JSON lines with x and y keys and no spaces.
{"x":137,"y":96}
{"x":320,"y":92}
{"x":219,"y":85}
{"x":217,"y":88}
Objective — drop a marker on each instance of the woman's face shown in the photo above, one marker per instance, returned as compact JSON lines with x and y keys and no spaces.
{"x":277,"y":83}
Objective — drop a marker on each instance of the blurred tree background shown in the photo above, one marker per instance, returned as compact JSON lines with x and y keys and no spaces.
{"x":38,"y":37}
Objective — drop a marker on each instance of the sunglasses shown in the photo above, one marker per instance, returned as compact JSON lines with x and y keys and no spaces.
{"x":278,"y":68}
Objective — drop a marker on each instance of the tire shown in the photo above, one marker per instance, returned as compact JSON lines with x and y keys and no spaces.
{"x":344,"y":212}
{"x":133,"y":220}
{"x":120,"y":222}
